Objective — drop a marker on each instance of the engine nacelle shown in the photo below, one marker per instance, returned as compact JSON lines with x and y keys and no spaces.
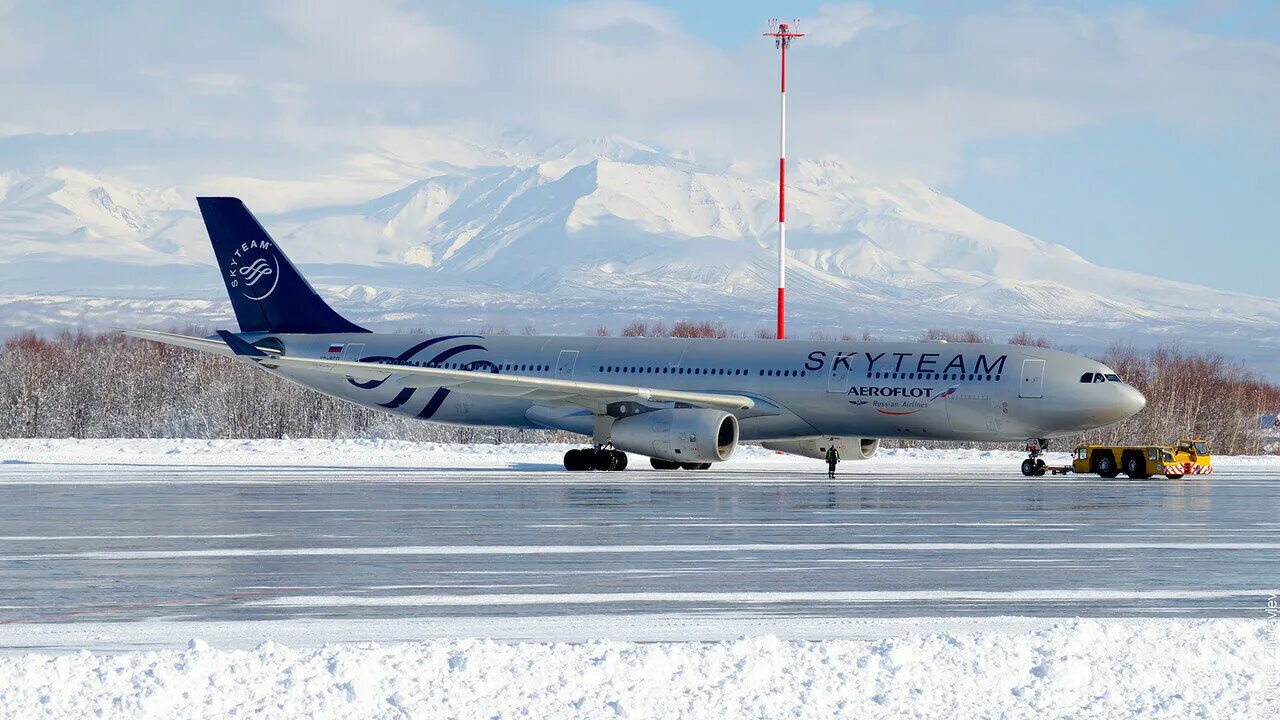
{"x":684,"y":435}
{"x":816,"y":447}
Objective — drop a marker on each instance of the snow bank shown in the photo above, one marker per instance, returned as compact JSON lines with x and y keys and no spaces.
{"x":1083,"y":668}
{"x":529,"y":456}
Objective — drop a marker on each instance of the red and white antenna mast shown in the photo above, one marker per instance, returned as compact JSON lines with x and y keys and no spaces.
{"x":782,"y":40}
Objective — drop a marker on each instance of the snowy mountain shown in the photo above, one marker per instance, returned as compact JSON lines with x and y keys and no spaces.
{"x":576,"y":235}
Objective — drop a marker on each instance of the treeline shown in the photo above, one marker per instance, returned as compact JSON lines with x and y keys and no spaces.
{"x":79,"y":384}
{"x":103,"y":385}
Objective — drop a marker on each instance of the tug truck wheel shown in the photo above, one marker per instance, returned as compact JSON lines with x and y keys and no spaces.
{"x":1173,"y":476}
{"x":1135,"y":467}
{"x":1028,"y":467}
{"x":1107,"y":466}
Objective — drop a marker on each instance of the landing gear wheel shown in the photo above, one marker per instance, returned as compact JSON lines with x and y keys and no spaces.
{"x":690,"y":466}
{"x":704,"y":466}
{"x":1107,"y":467}
{"x":575,"y":462}
{"x":603,"y":460}
{"x":659,"y":464}
{"x":1033,"y":466}
{"x":619,"y":460}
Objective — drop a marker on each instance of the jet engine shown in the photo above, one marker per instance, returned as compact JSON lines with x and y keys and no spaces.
{"x":816,"y":447}
{"x":683,"y":435}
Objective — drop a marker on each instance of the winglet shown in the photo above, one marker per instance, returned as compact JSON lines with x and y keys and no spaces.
{"x":240,"y":347}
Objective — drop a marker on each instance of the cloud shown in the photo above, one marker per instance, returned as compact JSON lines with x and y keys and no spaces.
{"x":837,"y":24}
{"x":888,"y":92}
{"x":372,"y":42}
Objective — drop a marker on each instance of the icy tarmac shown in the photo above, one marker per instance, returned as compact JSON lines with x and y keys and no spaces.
{"x":236,"y":541}
{"x":381,"y":579}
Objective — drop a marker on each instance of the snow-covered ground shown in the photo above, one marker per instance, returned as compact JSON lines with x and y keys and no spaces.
{"x":515,"y":456}
{"x":1080,"y":669}
{"x":357,"y":637}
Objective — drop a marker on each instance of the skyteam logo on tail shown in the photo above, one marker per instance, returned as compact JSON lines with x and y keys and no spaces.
{"x":254,"y":270}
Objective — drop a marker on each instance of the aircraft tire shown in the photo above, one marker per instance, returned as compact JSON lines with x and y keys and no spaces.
{"x":619,"y":460}
{"x":690,"y":466}
{"x":573,"y":461}
{"x":660,"y":464}
{"x":603,"y":460}
{"x":1039,"y":468}
{"x":704,"y":466}
{"x":1028,"y":467}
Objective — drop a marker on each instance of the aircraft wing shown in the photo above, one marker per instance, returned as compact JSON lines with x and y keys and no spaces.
{"x":185,"y":341}
{"x":590,"y":395}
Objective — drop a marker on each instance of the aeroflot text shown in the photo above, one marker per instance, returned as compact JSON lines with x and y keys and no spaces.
{"x":891,"y":391}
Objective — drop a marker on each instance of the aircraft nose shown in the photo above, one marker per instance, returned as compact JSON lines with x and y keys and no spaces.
{"x":1131,"y":401}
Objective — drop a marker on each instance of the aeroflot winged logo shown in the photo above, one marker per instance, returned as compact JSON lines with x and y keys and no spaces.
{"x":920,"y":398}
{"x":254,"y":270}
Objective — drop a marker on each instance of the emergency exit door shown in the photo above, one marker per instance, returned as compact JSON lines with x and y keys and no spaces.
{"x":565,"y":363}
{"x":1032,"y":379}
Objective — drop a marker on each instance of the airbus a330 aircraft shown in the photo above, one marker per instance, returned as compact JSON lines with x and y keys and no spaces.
{"x":683,"y":403}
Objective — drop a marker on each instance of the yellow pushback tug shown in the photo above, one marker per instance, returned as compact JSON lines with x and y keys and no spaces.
{"x":1188,"y":457}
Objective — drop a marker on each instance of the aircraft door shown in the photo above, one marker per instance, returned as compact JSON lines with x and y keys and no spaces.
{"x":1032,"y":379}
{"x":840,"y":378}
{"x":565,"y":363}
{"x":352,"y":352}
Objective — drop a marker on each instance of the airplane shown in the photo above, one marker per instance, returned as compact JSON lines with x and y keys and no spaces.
{"x":683,"y":403}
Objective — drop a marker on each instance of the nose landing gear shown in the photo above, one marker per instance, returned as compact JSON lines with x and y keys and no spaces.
{"x":1033,"y":466}
{"x":595,"y":458}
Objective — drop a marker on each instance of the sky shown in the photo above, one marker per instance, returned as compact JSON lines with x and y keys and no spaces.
{"x":1142,"y":135}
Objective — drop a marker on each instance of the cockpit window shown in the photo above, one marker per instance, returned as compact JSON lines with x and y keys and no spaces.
{"x":1112,"y":377}
{"x":1086,"y":378}
{"x":1097,"y":377}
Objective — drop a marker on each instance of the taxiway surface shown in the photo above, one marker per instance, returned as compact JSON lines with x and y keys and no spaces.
{"x":94,"y":544}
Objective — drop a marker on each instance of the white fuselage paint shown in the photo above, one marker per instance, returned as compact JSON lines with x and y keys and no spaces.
{"x":801,"y":388}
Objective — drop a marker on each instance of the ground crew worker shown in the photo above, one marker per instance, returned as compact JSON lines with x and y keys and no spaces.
{"x":833,"y":457}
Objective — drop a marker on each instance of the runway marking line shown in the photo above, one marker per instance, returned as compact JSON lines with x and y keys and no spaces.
{"x":203,"y":600}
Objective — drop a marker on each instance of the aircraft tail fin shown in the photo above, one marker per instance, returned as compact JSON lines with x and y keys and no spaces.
{"x":267,"y":292}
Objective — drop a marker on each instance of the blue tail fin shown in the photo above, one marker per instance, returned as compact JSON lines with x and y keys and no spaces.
{"x":267,"y":291}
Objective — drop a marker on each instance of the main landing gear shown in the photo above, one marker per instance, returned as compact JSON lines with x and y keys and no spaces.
{"x":1033,"y":466}
{"x":601,"y":459}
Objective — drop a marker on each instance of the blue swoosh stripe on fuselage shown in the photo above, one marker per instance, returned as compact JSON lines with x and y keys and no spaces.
{"x":407,"y":354}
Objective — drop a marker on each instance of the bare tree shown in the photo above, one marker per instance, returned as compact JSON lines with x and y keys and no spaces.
{"x":1025,"y":338}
